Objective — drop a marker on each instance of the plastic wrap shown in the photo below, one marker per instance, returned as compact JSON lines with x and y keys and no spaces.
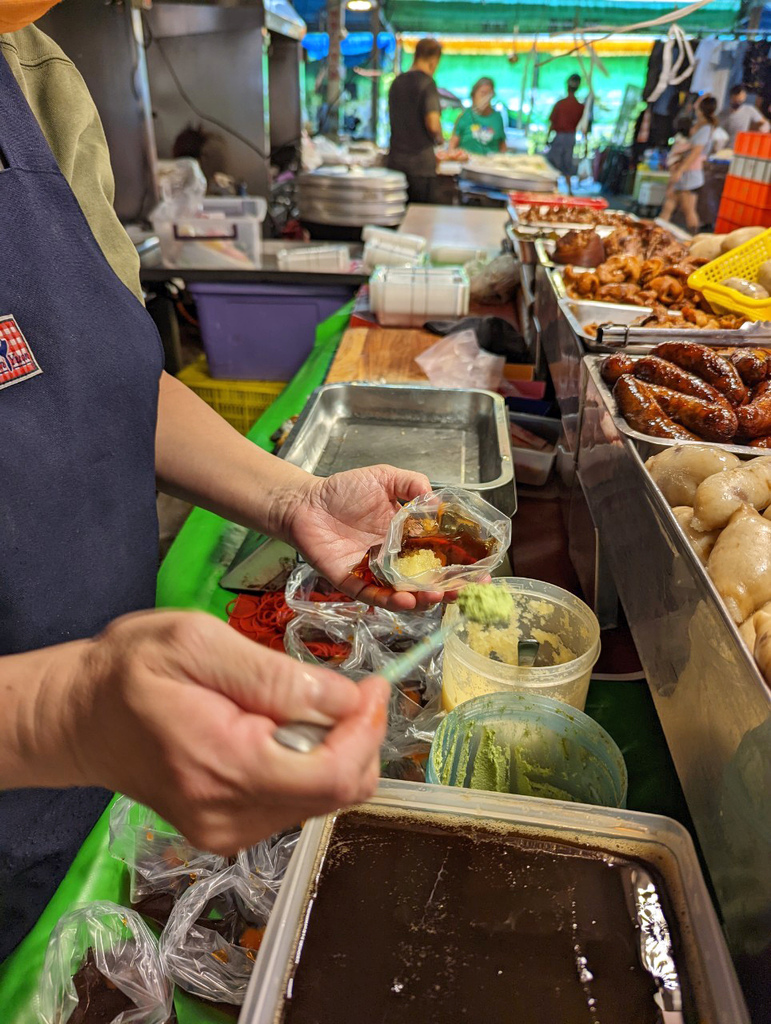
{"x":103,"y":955}
{"x":324,"y":639}
{"x":265,"y":864}
{"x":465,"y":533}
{"x":210,"y":944}
{"x":496,"y":283}
{"x":308,"y":591}
{"x":162,"y":864}
{"x":457,"y":361}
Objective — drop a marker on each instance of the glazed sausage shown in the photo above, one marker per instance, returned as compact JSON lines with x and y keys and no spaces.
{"x":711,"y":421}
{"x":653,"y":370}
{"x":708,"y":365}
{"x":761,"y":442}
{"x":754,"y":419}
{"x":642,"y":412}
{"x":615,"y":366}
{"x":752,"y":367}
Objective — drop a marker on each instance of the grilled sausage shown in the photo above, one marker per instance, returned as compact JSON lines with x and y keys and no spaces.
{"x":711,"y":421}
{"x":653,"y":370}
{"x":708,"y":365}
{"x":761,"y":442}
{"x":753,"y":368}
{"x":613,"y":367}
{"x":754,"y":419}
{"x":642,"y":412}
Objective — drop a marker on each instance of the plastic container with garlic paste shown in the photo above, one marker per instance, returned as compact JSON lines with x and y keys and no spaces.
{"x":568,"y":633}
{"x":653,"y":840}
{"x":408,"y":297}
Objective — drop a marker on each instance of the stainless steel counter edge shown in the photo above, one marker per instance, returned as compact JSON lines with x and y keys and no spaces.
{"x":713,"y":704}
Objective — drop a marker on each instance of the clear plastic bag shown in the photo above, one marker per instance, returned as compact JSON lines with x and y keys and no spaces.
{"x":384,"y":635}
{"x":265,"y":865}
{"x":457,"y":361}
{"x":496,"y":283}
{"x":328,"y":640}
{"x":442,"y":541}
{"x":210,"y":944}
{"x":104,"y":955}
{"x":162,"y":864}
{"x":308,"y":591}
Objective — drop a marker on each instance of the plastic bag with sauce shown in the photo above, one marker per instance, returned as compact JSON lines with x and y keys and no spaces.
{"x":103,"y":954}
{"x":308,"y":591}
{"x":327,"y":640}
{"x":441,"y":541}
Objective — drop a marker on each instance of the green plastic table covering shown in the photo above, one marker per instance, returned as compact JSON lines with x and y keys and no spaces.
{"x":189,"y":578}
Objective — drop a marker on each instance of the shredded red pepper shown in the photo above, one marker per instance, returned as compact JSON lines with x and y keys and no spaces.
{"x":262,"y":617}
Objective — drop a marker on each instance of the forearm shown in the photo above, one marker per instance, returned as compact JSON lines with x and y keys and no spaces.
{"x":44,"y":700}
{"x":199,"y":457}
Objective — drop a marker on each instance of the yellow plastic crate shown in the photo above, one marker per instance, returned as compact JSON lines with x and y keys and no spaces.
{"x":743,"y":261}
{"x":240,"y":402}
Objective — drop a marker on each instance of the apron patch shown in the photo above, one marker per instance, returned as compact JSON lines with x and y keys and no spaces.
{"x":16,"y":359}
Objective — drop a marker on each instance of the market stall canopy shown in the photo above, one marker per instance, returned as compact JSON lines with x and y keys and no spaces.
{"x":443,"y":16}
{"x":353,"y":46}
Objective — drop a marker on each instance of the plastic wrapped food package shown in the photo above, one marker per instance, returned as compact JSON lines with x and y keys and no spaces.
{"x":103,"y":965}
{"x":325,"y":639}
{"x":308,"y":591}
{"x":442,"y":541}
{"x":162,"y":863}
{"x":265,"y":865}
{"x":211,"y":940}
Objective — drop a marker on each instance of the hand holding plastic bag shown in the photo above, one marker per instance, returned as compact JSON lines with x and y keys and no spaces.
{"x":103,"y":955}
{"x":457,"y":361}
{"x":467,"y":537}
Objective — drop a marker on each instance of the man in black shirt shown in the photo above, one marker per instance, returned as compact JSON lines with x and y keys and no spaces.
{"x":413,"y":106}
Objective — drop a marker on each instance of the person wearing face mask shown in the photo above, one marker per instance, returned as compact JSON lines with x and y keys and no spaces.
{"x":479,"y":129}
{"x":99,"y":691}
{"x":563,"y":121}
{"x":742,"y":116}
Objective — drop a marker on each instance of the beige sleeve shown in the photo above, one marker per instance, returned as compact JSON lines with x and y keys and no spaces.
{"x":68,"y":116}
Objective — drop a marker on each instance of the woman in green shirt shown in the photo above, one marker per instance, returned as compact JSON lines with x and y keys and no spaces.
{"x":479,"y":129}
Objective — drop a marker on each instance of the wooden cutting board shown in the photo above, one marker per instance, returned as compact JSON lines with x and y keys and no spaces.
{"x":380,"y":355}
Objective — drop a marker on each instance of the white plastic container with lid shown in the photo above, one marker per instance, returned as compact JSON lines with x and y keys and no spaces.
{"x":407,"y":298}
{"x":457,"y":255}
{"x":374,"y":233}
{"x":226,"y":233}
{"x":328,"y":259}
{"x":705,"y":972}
{"x":387,"y":254}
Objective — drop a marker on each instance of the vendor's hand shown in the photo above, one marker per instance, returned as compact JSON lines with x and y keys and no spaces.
{"x":338,"y":519}
{"x":177,"y":710}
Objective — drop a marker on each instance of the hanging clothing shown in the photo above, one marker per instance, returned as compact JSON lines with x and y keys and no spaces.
{"x":677,"y":62}
{"x":706,"y":62}
{"x":80,"y":361}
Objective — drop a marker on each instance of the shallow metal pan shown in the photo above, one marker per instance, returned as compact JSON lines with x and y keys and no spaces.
{"x":567,"y":224}
{"x":459,"y":436}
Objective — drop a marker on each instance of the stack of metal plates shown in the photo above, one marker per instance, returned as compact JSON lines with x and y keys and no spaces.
{"x":352,"y":196}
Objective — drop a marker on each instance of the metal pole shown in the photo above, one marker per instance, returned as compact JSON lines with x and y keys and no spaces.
{"x":335,"y":21}
{"x":374,"y":21}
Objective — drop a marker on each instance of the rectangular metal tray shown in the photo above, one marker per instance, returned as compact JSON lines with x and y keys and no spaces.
{"x":658,"y":841}
{"x":713,"y":704}
{"x":645,"y":444}
{"x":544,"y":227}
{"x":455,"y":436}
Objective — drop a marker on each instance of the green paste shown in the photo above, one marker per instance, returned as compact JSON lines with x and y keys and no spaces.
{"x":486,"y":604}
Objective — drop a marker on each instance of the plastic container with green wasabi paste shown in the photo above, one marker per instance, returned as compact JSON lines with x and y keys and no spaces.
{"x":530,"y":745}
{"x":568,"y":633}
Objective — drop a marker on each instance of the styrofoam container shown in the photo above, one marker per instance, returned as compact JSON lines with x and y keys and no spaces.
{"x":387,"y":236}
{"x":386,"y":254}
{"x":407,"y":298}
{"x":531,"y":466}
{"x":329,"y":259}
{"x":225,"y":235}
{"x":662,"y":844}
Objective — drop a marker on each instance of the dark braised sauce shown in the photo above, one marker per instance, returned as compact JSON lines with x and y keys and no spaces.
{"x":419,"y":923}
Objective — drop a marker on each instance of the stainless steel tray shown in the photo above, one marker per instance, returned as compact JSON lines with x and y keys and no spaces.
{"x":580,"y":313}
{"x":645,"y":444}
{"x":567,"y":224}
{"x":454,"y":436}
{"x":714,"y":706}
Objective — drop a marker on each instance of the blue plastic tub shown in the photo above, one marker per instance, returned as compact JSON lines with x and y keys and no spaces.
{"x":262,"y":331}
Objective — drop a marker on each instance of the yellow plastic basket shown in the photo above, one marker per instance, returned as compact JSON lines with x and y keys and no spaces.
{"x":240,"y":402}
{"x":743,"y":261}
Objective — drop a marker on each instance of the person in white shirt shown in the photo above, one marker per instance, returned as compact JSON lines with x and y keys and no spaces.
{"x":742,"y":116}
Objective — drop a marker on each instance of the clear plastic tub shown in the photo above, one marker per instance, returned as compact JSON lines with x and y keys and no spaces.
{"x":374,"y":233}
{"x":457,"y":255}
{"x":530,"y":745}
{"x":408,"y":297}
{"x":320,"y":259}
{"x":390,"y":254}
{"x":659,"y":842}
{"x":226,"y":234}
{"x":532,"y":465}
{"x":568,"y":633}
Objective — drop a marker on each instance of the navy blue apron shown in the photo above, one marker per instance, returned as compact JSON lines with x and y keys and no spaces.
{"x":80,"y":361}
